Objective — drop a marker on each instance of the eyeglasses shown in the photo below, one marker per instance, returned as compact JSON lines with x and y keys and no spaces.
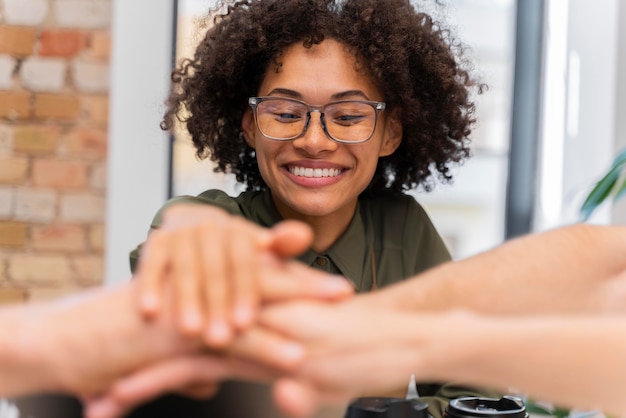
{"x":347,"y":122}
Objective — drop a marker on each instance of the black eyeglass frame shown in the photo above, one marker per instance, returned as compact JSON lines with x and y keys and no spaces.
{"x":378,"y":107}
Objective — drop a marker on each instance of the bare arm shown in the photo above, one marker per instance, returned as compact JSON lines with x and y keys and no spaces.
{"x":579,"y":268}
{"x":59,"y":345}
{"x":574,"y":361}
{"x":81,"y":344}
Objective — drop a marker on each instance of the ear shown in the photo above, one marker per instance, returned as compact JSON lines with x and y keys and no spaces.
{"x":248,"y":127}
{"x":392,"y":136}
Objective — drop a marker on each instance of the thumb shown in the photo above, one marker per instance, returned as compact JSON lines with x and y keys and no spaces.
{"x":295,"y":398}
{"x":290,"y":238}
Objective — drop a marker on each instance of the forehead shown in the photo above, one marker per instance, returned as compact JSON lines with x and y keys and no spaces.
{"x":319,"y":72}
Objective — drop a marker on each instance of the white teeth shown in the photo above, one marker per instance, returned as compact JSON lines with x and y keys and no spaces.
{"x":314,"y":172}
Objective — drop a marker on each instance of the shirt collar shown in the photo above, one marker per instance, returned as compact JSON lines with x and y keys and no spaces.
{"x":261,"y":208}
{"x":351,"y":252}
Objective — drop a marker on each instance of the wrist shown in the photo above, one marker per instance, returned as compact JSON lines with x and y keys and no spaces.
{"x":24,"y":352}
{"x":449,"y":345}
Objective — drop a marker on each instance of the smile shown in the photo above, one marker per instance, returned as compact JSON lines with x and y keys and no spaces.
{"x":315,"y":172}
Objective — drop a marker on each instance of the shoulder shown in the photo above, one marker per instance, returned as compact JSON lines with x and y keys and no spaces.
{"x":392,"y":207}
{"x":213,"y":197}
{"x":402,"y":225}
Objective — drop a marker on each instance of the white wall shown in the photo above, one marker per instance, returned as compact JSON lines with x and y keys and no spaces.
{"x":138,"y":149}
{"x":619,"y":210}
{"x":579,"y":115}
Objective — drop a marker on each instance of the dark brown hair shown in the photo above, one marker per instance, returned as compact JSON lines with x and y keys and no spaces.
{"x":417,"y":65}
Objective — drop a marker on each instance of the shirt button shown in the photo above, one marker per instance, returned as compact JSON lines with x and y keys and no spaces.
{"x":320,"y":261}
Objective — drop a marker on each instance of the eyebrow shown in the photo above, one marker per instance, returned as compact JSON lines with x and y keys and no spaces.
{"x":337,"y":96}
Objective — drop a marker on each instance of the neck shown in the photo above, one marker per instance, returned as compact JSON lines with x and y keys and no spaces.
{"x":326,"y":228}
{"x":327,"y":231}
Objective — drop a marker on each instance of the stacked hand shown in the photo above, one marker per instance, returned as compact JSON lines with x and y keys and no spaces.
{"x":211,"y":272}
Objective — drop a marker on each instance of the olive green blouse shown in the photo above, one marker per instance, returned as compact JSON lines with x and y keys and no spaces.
{"x":390,"y":238}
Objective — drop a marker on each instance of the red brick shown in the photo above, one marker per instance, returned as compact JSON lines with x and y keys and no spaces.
{"x":87,"y":143}
{"x":12,"y":295}
{"x":70,"y":238}
{"x":13,"y":234}
{"x":14,"y":104}
{"x":17,"y":40}
{"x":97,"y":109}
{"x":43,"y":270}
{"x":41,"y":293}
{"x":35,"y":205}
{"x":59,"y":174}
{"x":89,"y":269}
{"x":37,"y":140}
{"x":97,"y":237}
{"x":62,"y":42}
{"x":98,"y":177}
{"x":100,"y":45}
{"x":82,"y":208}
{"x":57,"y":106}
{"x":13,"y":170}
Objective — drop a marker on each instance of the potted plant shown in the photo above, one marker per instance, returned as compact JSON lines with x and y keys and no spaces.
{"x":612,"y":184}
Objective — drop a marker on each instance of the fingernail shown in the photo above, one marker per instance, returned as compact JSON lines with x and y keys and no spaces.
{"x":149,"y":302}
{"x":192,"y":321}
{"x":218,"y":332}
{"x":243,"y":315}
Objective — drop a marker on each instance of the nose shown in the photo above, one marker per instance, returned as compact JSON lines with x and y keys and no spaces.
{"x":314,"y":140}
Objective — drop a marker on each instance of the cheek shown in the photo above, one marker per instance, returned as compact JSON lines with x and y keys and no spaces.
{"x":367,"y":155}
{"x":265,"y":155}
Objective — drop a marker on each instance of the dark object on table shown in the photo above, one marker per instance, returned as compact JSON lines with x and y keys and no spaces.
{"x":505,"y":407}
{"x":386,"y":408}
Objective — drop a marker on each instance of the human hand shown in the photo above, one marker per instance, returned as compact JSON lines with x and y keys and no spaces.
{"x":216,"y":263}
{"x":205,"y":370}
{"x":354,"y":350}
{"x":259,"y":348}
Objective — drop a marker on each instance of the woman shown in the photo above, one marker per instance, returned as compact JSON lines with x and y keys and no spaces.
{"x":327,"y":111}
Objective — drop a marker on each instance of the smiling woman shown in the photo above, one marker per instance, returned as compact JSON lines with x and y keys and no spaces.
{"x":328,"y":112}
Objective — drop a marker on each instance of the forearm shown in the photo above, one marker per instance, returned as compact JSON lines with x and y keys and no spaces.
{"x":569,"y":361}
{"x":21,"y":370}
{"x":81,"y":344}
{"x":571,"y":269}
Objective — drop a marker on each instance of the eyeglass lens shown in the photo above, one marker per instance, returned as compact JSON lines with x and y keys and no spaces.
{"x":345,"y":121}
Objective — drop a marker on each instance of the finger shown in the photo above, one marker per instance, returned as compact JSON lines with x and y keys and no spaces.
{"x":215,"y":292}
{"x":291,"y":238}
{"x":171,"y":376}
{"x":244,"y":270}
{"x":187,"y":280}
{"x":268,"y":348}
{"x":151,"y":270}
{"x":295,"y":398}
{"x":292,"y":279}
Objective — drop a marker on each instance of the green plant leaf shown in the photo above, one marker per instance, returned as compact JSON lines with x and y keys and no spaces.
{"x":620,"y":159}
{"x":605,"y":186}
{"x":533,"y":408}
{"x":621,"y":190}
{"x":600,"y":192}
{"x":560,"y":412}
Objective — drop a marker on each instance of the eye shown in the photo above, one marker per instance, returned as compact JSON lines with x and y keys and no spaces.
{"x":285,"y":112}
{"x":348,"y":119}
{"x":347,"y":116}
{"x":287,"y":117}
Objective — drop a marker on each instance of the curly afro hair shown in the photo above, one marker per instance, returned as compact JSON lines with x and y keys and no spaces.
{"x":417,"y":65}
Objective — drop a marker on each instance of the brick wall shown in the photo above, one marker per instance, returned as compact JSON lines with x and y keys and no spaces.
{"x":54,"y":83}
